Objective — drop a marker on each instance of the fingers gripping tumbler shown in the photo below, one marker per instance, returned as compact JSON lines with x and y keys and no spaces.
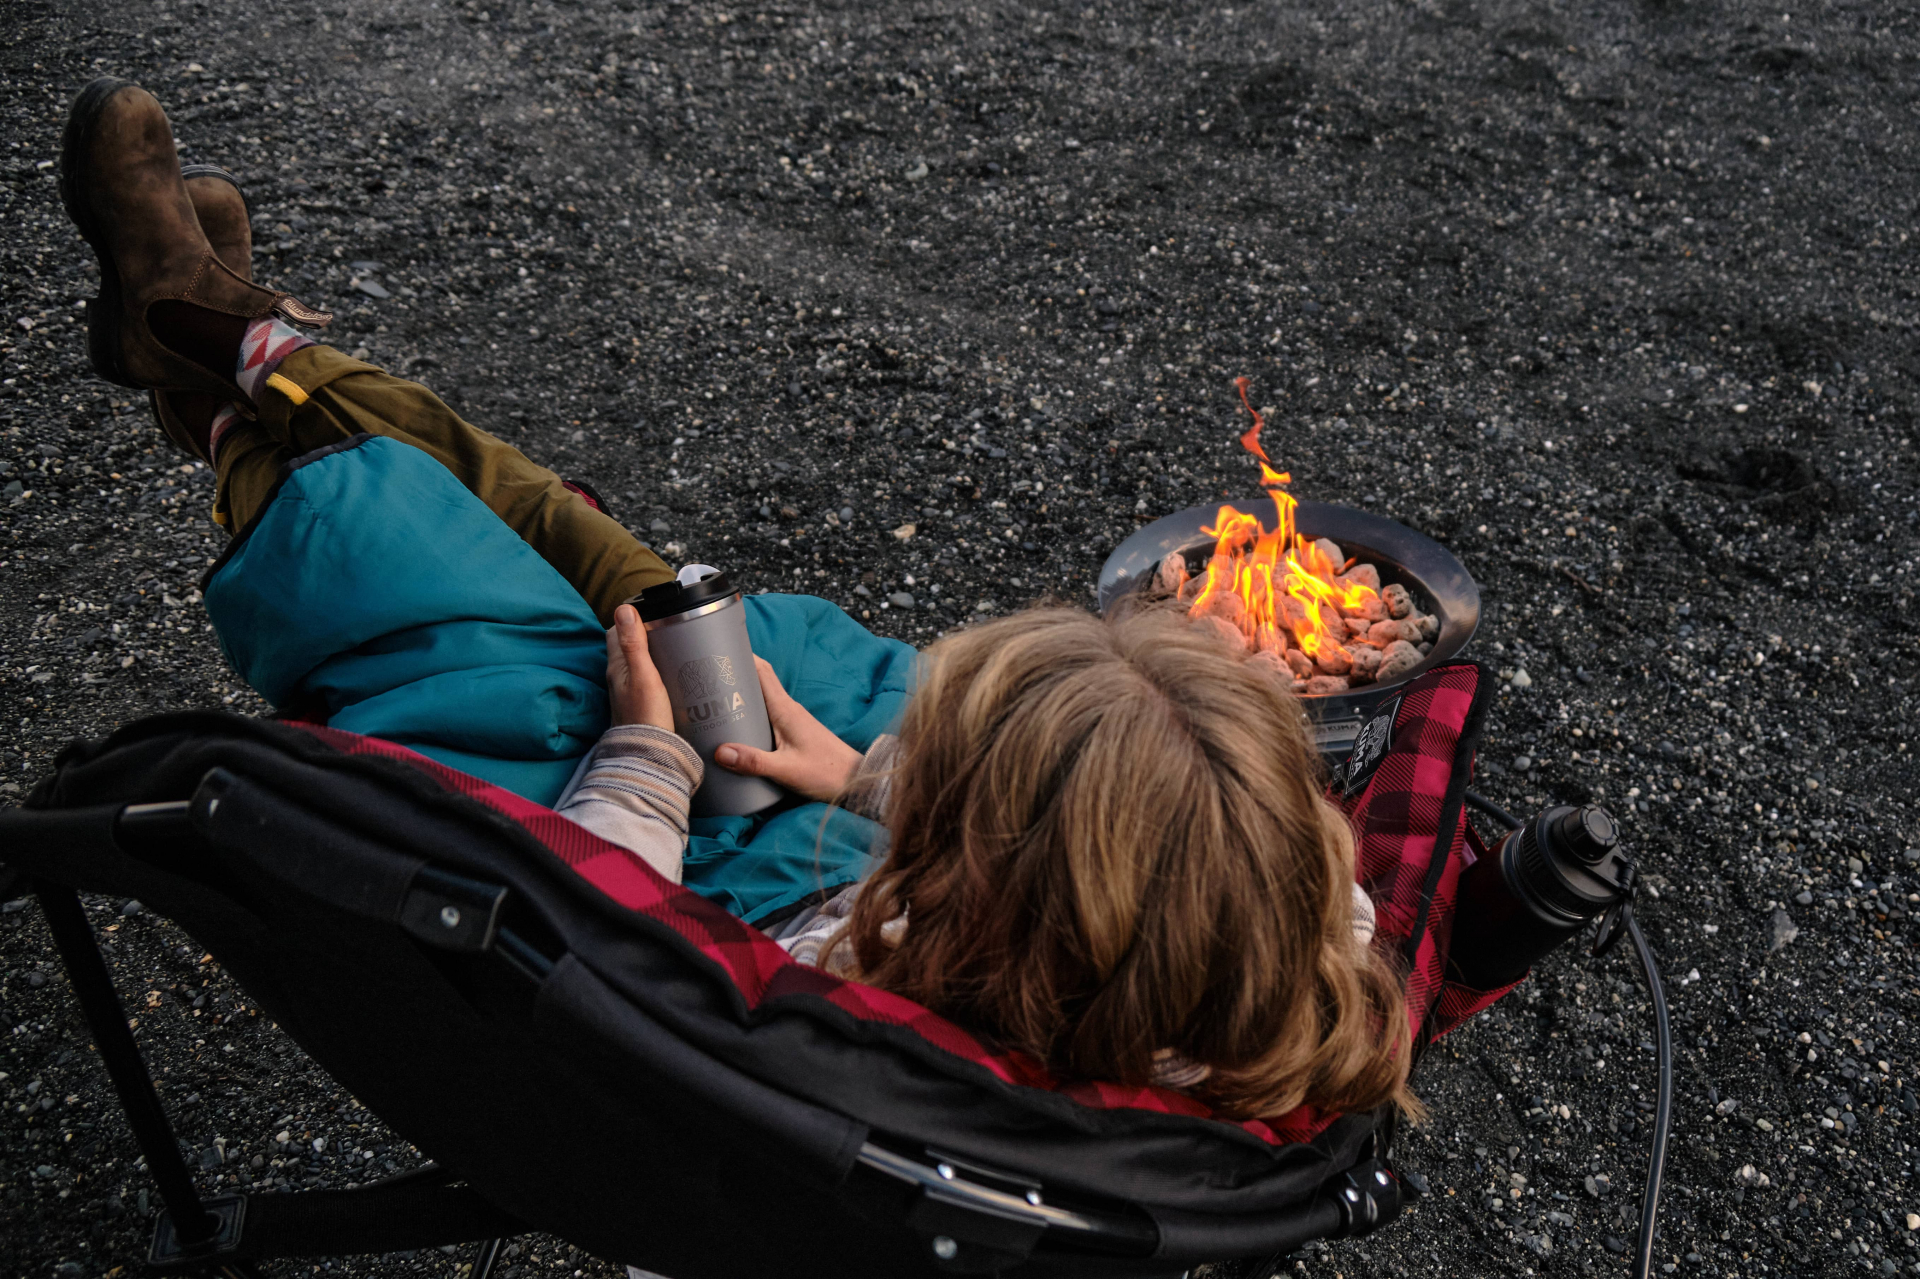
{"x":697,"y":636}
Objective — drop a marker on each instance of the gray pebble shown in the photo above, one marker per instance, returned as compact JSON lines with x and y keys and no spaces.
{"x":846,"y":515}
{"x":131,"y":909}
{"x":900,"y":599}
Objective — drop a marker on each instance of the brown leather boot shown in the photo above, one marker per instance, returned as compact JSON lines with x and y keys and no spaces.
{"x":120,"y":180}
{"x":220,"y":206}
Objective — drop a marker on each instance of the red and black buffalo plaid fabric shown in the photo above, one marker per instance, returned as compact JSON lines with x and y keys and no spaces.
{"x":1411,"y":837}
{"x":1408,"y":821}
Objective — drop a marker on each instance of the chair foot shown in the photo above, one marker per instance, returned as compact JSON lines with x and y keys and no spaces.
{"x":170,"y":1252}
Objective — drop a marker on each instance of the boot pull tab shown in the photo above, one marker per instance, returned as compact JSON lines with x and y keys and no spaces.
{"x":295,"y":311}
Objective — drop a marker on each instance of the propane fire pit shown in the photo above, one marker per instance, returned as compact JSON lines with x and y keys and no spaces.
{"x":1347,"y":606}
{"x":1229,"y":545}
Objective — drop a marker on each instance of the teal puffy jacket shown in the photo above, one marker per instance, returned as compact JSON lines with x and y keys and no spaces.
{"x":376,"y":585}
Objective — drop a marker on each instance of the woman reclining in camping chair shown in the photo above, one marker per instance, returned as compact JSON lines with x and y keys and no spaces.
{"x":1105,"y":843}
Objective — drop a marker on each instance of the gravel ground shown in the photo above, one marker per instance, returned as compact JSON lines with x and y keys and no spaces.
{"x":923,"y":308}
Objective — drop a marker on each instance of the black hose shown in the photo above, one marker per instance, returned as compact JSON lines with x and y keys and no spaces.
{"x":1476,"y":800}
{"x":1663,"y":1051}
{"x":1663,"y":1100}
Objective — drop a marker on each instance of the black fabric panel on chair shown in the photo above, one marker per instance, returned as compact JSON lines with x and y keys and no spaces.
{"x":1182,"y":1233}
{"x":577,"y":1006}
{"x":80,"y":838}
{"x":313,"y":853}
{"x":390,"y":1216}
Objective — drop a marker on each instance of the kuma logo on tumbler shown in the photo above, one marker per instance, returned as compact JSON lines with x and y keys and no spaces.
{"x":709,"y":692}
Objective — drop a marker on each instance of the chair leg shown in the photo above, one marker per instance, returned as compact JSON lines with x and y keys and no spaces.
{"x":93,"y":987}
{"x":411,"y":1210}
{"x":483,"y":1260}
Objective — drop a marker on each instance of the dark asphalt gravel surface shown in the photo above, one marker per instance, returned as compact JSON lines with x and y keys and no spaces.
{"x":1616,"y":300}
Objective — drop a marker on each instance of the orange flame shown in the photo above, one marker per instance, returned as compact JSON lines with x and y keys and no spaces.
{"x":1251,"y":440}
{"x":1284,"y":583}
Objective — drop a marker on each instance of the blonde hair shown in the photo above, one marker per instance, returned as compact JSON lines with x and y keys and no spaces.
{"x":1109,"y":837}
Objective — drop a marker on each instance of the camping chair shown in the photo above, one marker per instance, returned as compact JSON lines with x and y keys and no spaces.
{"x":585,"y":1049}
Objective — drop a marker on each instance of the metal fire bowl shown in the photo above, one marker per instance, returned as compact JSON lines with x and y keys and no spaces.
{"x":1439,"y":583}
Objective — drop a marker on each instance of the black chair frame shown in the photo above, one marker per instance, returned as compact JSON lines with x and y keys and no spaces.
{"x":963,"y":1214}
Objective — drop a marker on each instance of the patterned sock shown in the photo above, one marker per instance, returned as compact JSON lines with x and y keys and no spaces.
{"x":268,"y":341}
{"x":224,"y":418}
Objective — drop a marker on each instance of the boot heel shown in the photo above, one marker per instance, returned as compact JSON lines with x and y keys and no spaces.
{"x":103,"y":340}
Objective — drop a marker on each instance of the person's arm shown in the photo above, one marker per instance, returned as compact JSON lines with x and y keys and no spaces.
{"x":870,"y":790}
{"x":639,"y":783}
{"x":807,"y":758}
{"x":1365,"y":920}
{"x":641,"y":775}
{"x":809,"y":943}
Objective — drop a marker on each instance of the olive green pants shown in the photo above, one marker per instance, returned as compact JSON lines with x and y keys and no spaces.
{"x":319,"y":397}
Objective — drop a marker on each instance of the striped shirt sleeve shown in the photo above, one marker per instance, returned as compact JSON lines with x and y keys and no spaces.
{"x":636,"y":790}
{"x":870,"y":789}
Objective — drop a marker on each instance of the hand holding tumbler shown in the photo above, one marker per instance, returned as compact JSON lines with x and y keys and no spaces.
{"x":697,"y":636}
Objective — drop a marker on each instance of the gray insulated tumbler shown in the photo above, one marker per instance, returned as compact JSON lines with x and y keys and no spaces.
{"x":697,"y":636}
